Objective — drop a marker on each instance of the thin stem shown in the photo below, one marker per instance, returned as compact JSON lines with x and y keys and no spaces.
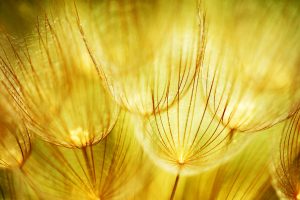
{"x":231,"y":135}
{"x":175,"y":187}
{"x":2,"y":193}
{"x":88,"y":165}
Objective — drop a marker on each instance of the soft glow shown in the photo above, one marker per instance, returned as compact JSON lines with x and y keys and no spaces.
{"x":150,"y":99}
{"x":79,"y":136}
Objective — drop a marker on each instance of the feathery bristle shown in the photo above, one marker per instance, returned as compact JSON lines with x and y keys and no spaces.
{"x":55,"y":84}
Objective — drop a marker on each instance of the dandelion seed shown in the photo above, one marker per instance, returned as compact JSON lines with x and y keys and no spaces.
{"x":142,"y":58}
{"x":186,"y":138}
{"x":115,"y":168}
{"x":252,"y":66}
{"x":15,"y":146}
{"x":54,"y":82}
{"x":285,"y":163}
